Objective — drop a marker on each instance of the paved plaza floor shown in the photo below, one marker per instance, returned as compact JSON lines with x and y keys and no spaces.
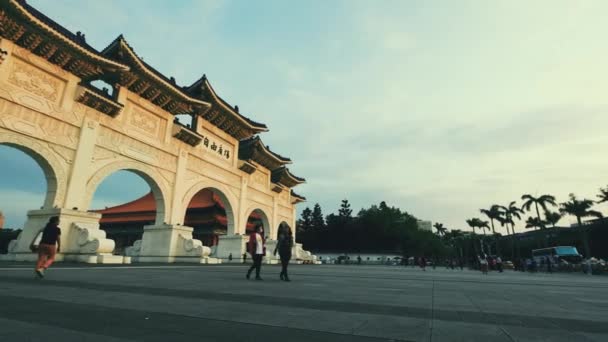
{"x":323,"y":303}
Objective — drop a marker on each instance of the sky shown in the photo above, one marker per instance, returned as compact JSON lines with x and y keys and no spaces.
{"x":439,"y":108}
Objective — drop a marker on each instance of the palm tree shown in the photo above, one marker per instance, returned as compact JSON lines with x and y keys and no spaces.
{"x":603,"y":195}
{"x":542,"y":201}
{"x":552,"y":217}
{"x":511,"y":212}
{"x":580,"y":209}
{"x":534,"y":222}
{"x":483,"y":225}
{"x":473,"y":224}
{"x":493,"y":213}
{"x":458,"y":237}
{"x":441,"y":230}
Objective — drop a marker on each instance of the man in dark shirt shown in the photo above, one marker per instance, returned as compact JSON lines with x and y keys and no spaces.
{"x":50,"y":244}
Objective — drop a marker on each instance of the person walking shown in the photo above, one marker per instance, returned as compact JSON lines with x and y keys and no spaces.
{"x":257,"y":249}
{"x":499,"y":264}
{"x":284,"y":246}
{"x":50,"y":245}
{"x":483,"y":264}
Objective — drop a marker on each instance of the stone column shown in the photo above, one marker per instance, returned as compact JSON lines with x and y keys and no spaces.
{"x":275,"y":216}
{"x":75,"y":195}
{"x":177,"y":213}
{"x":293,"y":221}
{"x":234,"y":242}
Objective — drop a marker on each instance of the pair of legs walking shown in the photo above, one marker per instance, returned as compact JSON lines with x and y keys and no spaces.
{"x":284,"y":263}
{"x":257,"y":265}
{"x":46,"y":256}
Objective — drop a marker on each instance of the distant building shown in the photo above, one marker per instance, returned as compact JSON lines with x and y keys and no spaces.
{"x":366,"y":258}
{"x":206,"y":214}
{"x":425,"y":225}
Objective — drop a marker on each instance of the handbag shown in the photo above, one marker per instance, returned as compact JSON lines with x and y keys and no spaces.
{"x":36,"y":242}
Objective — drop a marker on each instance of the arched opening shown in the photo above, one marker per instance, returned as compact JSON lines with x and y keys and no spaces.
{"x":258,"y":216}
{"x":127,"y":200}
{"x":27,"y":181}
{"x":209,"y":213}
{"x":21,"y":167}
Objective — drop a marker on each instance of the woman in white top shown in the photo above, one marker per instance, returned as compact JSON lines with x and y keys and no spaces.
{"x":257,"y":249}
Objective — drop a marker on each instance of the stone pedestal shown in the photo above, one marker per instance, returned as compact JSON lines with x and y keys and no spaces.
{"x":270,"y":258}
{"x":232,"y":244}
{"x":81,"y":238}
{"x":169,"y":243}
{"x":304,"y":256}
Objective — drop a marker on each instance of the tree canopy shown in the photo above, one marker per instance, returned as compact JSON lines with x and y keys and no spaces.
{"x":379,"y":228}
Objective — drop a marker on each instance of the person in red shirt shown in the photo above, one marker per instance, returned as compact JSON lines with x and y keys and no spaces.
{"x":257,"y":248}
{"x":50,"y":245}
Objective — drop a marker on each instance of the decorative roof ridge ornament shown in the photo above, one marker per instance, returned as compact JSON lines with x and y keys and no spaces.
{"x":256,"y":143}
{"x":203,"y":84}
{"x":297,"y":198}
{"x":122,"y":46}
{"x":283,"y":176}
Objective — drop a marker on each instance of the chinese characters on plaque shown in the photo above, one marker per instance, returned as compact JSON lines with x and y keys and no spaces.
{"x":219,"y":149}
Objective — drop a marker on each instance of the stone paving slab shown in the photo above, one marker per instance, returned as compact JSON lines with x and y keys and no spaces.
{"x":323,"y":303}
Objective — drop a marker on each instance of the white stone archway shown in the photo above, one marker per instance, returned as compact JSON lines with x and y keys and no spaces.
{"x":149,"y":174}
{"x":51,"y":167}
{"x":80,"y":135}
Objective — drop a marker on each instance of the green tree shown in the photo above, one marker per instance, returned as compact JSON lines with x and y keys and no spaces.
{"x":441,"y":230}
{"x":552,"y":217}
{"x":473,"y":223}
{"x":603,"y":195}
{"x":345,"y":211}
{"x":317,"y":220}
{"x":483,"y":225}
{"x":493,"y":214}
{"x":305,"y":221}
{"x":509,"y":214}
{"x":580,"y":209}
{"x":534,"y":222}
{"x":542,"y":201}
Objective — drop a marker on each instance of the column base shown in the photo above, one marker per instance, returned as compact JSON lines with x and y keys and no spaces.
{"x":102,"y":258}
{"x":234,"y":245}
{"x":169,"y":244}
{"x":81,"y":238}
{"x":177,"y":259}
